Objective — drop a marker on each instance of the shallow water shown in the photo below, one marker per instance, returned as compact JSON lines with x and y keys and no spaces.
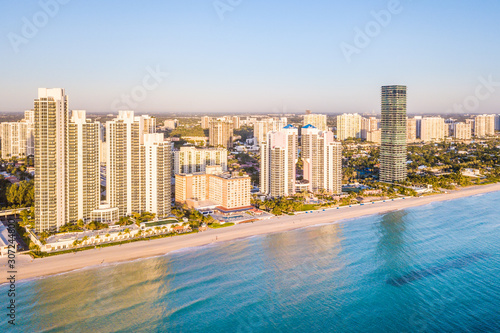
{"x":434,"y":268}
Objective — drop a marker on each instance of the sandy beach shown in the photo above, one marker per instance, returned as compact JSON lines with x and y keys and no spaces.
{"x":28,"y":268}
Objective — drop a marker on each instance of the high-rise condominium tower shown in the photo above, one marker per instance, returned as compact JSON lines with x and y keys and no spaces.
{"x":157,"y":157}
{"x":279,"y":155}
{"x":317,"y":120}
{"x":393,"y":149}
{"x":83,"y":162}
{"x":51,"y":159}
{"x":221,"y":133}
{"x":124,"y":136}
{"x":349,"y":126}
{"x":322,"y":157}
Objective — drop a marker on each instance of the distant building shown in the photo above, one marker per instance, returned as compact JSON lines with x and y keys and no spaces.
{"x":190,"y":160}
{"x":462,"y":131}
{"x":205,"y":122}
{"x":393,"y":151}
{"x":236,"y":122}
{"x":18,"y":138}
{"x":484,"y":125}
{"x":432,"y":129}
{"x":317,"y":120}
{"x":170,"y":124}
{"x":322,"y":158}
{"x":279,"y":154}
{"x":368,"y":125}
{"x":374,"y":136}
{"x":14,"y":139}
{"x":411,"y":130}
{"x":221,"y":133}
{"x":348,"y":126}
{"x":264,"y":126}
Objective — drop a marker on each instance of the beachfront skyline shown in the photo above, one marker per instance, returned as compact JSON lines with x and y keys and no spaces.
{"x":252,"y":56}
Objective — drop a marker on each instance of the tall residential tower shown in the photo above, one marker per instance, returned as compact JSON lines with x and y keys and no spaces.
{"x":393,"y":149}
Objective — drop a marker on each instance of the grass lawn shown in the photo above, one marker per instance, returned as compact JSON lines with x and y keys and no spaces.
{"x":218,"y":225}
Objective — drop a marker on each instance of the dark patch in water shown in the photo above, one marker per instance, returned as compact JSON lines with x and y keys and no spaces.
{"x":435,"y":270}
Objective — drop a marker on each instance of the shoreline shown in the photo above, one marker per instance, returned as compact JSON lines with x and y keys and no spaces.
{"x":103,"y":257}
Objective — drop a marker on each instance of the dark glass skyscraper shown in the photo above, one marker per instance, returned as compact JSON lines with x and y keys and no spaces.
{"x":393,"y":149}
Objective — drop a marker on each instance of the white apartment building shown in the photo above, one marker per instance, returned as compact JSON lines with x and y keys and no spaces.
{"x":157,"y":155}
{"x":432,"y":129}
{"x":124,"y":169}
{"x":317,"y":120}
{"x":348,"y":126}
{"x":83,"y":165}
{"x":194,"y":159}
{"x":51,"y":159}
{"x":484,"y":125}
{"x":322,"y":157}
{"x":368,"y":125}
{"x":279,"y":154}
{"x":462,"y":131}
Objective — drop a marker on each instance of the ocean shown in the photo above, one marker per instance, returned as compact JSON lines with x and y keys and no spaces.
{"x":434,"y":268}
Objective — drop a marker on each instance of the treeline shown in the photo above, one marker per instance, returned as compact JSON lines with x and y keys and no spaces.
{"x":17,"y":195}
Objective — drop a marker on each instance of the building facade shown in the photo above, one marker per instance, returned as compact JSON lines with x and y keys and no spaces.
{"x":393,"y":150}
{"x":348,"y":126}
{"x":462,"y":131}
{"x":432,"y":129}
{"x":317,"y":120}
{"x":264,"y":126}
{"x":192,"y":159}
{"x":51,"y":159}
{"x":221,"y":133}
{"x":83,"y":166}
{"x":322,"y":158}
{"x":157,"y":163}
{"x":279,"y":154}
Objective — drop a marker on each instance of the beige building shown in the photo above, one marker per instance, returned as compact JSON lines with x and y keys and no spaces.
{"x":205,"y":122}
{"x":462,"y":131}
{"x":51,"y":159}
{"x":221,"y":133}
{"x":278,"y":158}
{"x":484,"y":125}
{"x":348,"y":126}
{"x":368,"y":125}
{"x":374,"y":136}
{"x":432,"y":129}
{"x":223,"y":189}
{"x":264,"y":126}
{"x":317,"y":120}
{"x":322,"y":158}
{"x":125,"y":168}
{"x":83,"y":165}
{"x":411,"y":130}
{"x":192,"y":159}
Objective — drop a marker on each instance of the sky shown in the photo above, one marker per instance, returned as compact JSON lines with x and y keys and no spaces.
{"x":251,"y":56}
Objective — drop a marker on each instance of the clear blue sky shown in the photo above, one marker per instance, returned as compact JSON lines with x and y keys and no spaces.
{"x":263,"y":55}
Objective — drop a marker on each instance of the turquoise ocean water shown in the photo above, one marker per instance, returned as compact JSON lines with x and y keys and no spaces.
{"x":434,"y":268}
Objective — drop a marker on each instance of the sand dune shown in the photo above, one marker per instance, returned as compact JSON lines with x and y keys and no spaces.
{"x":28,"y":268}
